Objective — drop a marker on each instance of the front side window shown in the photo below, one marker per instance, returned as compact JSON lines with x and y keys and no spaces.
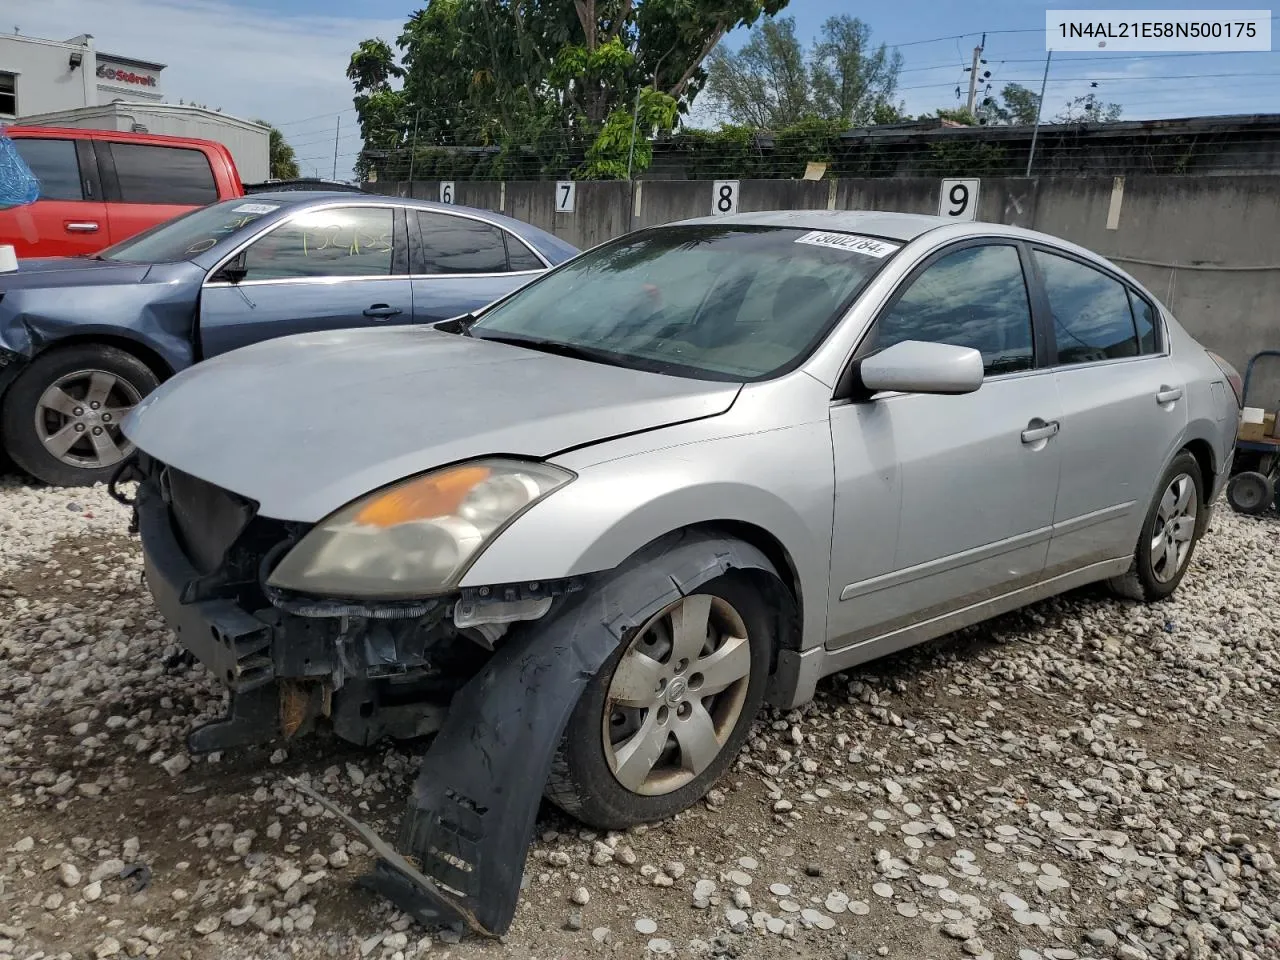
{"x":54,"y":164}
{"x":1092,"y":319}
{"x":331,"y":242}
{"x":706,"y":301}
{"x":170,"y":175}
{"x":975,"y":297}
{"x":454,"y":245}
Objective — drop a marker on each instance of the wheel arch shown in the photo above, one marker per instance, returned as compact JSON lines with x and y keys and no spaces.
{"x":148,"y":354}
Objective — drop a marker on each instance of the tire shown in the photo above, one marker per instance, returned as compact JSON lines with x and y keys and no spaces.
{"x":1250,"y":492}
{"x":1156,"y":571}
{"x":34,"y":413}
{"x":582,"y":781}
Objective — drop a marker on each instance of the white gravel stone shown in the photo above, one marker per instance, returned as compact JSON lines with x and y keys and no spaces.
{"x":645,"y":926}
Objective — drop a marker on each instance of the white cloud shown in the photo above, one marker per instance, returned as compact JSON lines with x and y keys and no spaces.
{"x":252,"y":64}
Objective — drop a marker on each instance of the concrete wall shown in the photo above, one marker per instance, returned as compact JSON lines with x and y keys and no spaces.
{"x":1209,"y":247}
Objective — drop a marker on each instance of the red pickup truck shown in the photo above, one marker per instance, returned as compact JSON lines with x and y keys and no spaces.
{"x":98,"y":187}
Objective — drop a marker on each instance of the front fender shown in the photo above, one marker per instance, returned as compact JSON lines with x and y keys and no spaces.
{"x":779,"y":481}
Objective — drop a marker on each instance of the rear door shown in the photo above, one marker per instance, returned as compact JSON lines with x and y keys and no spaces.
{"x":1123,"y":407}
{"x":147,"y":184}
{"x":462,"y":263}
{"x":70,"y":218}
{"x":325,"y":268}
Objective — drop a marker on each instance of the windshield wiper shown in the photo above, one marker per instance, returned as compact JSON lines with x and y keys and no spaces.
{"x":573,"y":350}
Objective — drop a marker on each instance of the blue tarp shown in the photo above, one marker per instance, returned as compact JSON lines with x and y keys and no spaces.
{"x":18,"y":185}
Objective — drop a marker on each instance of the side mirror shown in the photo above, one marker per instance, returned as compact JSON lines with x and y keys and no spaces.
{"x":914,"y":366}
{"x":233,"y":272}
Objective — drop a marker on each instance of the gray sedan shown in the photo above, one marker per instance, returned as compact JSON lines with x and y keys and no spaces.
{"x":584,"y":534}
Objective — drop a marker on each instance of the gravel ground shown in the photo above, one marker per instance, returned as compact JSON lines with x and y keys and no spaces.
{"x":1086,"y":778}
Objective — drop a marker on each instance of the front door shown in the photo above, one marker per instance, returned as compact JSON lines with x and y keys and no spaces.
{"x":1123,"y":409}
{"x":326,"y":269}
{"x":946,"y":501}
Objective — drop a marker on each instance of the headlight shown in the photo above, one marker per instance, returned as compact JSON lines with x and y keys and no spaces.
{"x":416,"y":537}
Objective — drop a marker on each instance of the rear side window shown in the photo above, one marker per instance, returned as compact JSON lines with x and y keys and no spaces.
{"x":149,"y":174}
{"x":459,"y":245}
{"x":54,"y":164}
{"x":1092,"y":319}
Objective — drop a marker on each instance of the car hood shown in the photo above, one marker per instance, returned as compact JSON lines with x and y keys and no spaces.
{"x":35,"y":272}
{"x":304,"y":424}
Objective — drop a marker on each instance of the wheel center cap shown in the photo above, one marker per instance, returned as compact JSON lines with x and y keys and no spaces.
{"x":676,"y":690}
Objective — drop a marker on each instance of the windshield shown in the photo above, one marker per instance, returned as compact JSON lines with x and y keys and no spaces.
{"x":713,"y":302}
{"x":190,"y":234}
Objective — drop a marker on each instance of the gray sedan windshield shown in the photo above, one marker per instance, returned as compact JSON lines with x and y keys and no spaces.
{"x":191,"y":234}
{"x":732,"y":302}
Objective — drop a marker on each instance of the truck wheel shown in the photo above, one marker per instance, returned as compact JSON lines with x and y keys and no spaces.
{"x":61,"y":417}
{"x":668,"y":711}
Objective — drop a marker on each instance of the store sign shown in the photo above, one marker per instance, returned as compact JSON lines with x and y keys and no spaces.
{"x":122,"y":75}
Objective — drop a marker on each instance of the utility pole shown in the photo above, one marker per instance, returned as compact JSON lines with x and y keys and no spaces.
{"x":635,"y":121}
{"x":1044,"y":82}
{"x":413,"y":149}
{"x":973,"y":73}
{"x":336,"y":130}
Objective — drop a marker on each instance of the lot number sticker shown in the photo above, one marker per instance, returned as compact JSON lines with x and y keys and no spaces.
{"x":869,"y":246}
{"x":446,"y":191}
{"x":258,"y":208}
{"x":959,"y":199}
{"x":566,"y":193}
{"x":724,"y":197}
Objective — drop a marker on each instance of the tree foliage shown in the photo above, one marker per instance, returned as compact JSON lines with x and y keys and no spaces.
{"x":771,"y":82}
{"x":1089,"y":109}
{"x":546,"y":72}
{"x":282,"y":162}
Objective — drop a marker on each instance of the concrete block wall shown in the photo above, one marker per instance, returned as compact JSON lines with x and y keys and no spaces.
{"x":1207,"y":246}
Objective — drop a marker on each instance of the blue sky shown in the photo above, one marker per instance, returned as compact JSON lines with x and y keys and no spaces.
{"x":283,"y":60}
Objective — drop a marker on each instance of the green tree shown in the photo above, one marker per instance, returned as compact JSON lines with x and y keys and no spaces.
{"x":1089,"y":109}
{"x":955,"y":115}
{"x":1021,"y":105}
{"x":851,"y":80}
{"x":281,"y":158}
{"x":772,"y":83}
{"x":765,"y":84}
{"x":545,"y":73}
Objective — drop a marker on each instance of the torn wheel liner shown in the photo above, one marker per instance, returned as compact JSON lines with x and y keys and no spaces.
{"x":472,"y":814}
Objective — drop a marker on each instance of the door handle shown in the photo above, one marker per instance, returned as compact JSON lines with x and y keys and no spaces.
{"x":382,"y":311}
{"x":1168,"y":394}
{"x":81,"y":226}
{"x":1038,"y":430}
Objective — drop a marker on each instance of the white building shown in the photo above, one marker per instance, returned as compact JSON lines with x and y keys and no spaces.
{"x":71,"y":83}
{"x":43,"y":76}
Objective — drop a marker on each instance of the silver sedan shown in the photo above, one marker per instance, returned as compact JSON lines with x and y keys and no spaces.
{"x":584,"y":534}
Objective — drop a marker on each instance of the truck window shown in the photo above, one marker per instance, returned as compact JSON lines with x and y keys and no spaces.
{"x":150,"y":174}
{"x":54,"y":164}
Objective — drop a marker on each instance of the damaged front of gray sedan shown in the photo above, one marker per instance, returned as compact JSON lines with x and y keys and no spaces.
{"x":581,"y":537}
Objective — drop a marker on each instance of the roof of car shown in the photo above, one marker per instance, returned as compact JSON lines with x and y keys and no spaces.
{"x":876,"y":223}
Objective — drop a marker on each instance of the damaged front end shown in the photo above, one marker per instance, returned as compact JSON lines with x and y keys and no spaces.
{"x":497,"y":692}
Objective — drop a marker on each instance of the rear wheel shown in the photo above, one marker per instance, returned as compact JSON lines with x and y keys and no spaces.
{"x":61,"y":417}
{"x":1172,"y":527}
{"x":1250,"y":492}
{"x":665,"y":716}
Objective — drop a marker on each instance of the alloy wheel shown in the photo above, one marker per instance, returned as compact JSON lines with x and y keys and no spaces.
{"x":676,"y":695}
{"x":78,"y":417}
{"x":1174,"y":528}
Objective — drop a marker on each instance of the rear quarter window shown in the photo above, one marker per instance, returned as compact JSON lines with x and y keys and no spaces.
{"x":169,"y":175}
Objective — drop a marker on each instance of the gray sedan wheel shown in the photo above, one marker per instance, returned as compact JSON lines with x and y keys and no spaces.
{"x":676,"y":695}
{"x":61,"y":417}
{"x":669,"y":710}
{"x":1173,"y":525}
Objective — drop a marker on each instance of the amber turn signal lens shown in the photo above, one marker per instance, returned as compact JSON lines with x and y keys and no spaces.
{"x":437,"y":495}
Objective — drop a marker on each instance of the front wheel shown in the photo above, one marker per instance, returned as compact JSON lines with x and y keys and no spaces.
{"x":61,"y":417}
{"x":1170,"y":532}
{"x":669,"y":710}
